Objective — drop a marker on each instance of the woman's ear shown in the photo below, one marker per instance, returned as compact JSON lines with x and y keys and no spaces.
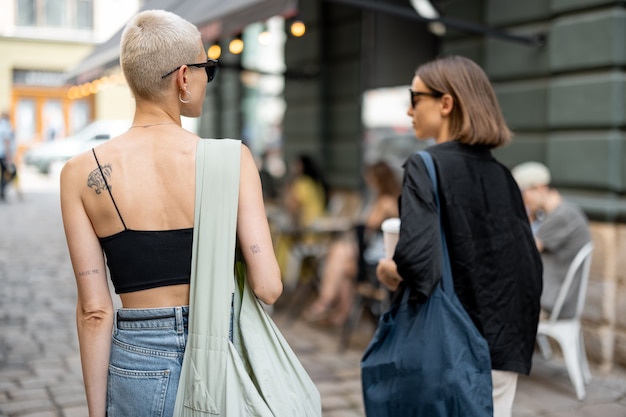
{"x":447,"y":103}
{"x":181,"y":77}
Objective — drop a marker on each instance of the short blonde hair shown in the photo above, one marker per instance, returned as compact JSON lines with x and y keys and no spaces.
{"x":155,"y":42}
{"x":476,"y":118}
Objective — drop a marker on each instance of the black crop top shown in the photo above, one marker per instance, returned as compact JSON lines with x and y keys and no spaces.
{"x":140,"y":260}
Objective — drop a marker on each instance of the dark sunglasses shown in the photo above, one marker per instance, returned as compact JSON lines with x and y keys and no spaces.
{"x":415,"y":94}
{"x":210,"y":66}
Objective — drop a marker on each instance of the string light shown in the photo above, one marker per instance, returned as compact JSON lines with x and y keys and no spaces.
{"x":87,"y":89}
{"x":214,"y":51}
{"x":297,"y":28}
{"x":236,"y":45}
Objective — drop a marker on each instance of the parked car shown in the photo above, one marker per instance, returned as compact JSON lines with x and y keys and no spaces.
{"x":44,"y":155}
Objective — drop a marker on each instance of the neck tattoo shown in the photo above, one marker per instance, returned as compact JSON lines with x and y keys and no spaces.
{"x":153,"y":124}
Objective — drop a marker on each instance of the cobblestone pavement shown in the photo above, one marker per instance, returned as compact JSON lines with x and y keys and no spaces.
{"x":39,"y":360}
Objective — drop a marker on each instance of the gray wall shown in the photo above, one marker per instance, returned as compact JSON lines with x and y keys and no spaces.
{"x":566,"y":101}
{"x":349,"y":50}
{"x":222,"y":110}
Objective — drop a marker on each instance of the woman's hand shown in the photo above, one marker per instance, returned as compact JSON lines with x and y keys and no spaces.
{"x":387,"y":274}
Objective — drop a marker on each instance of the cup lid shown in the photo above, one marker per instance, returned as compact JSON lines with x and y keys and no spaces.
{"x":391,"y":225}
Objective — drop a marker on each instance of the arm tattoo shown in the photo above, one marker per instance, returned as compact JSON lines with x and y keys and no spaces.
{"x":97,"y":181}
{"x":255,"y":249}
{"x":88,"y":272}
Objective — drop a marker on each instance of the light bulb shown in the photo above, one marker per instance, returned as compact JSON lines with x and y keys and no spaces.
{"x":214,"y":51}
{"x":298,"y":28}
{"x":236,"y":46}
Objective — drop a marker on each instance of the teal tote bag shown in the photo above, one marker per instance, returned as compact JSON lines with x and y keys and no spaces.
{"x":428,"y":360}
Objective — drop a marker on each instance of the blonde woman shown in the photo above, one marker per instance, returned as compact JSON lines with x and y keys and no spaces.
{"x":495,"y":264}
{"x":133,"y":199}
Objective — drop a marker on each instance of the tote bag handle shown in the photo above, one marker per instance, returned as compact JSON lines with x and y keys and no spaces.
{"x":212,"y":275}
{"x":448,"y":284}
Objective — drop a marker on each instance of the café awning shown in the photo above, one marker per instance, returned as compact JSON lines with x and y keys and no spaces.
{"x":215,"y":18}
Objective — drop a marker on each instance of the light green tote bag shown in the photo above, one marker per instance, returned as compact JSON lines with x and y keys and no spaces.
{"x":257,"y":374}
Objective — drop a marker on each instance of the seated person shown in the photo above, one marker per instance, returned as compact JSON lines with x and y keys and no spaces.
{"x":561,"y":229}
{"x":341,"y":266}
{"x":305,"y":200}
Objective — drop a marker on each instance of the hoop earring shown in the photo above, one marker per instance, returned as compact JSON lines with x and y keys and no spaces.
{"x":181,"y":98}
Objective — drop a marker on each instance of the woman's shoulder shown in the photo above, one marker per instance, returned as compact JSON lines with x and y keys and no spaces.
{"x":79,"y":162}
{"x":386,"y":200}
{"x":76,"y":172}
{"x":454,"y":148}
{"x":437,"y":151}
{"x":387,"y":205}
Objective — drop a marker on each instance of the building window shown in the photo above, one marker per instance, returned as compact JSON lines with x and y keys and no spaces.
{"x":84,"y":14}
{"x":55,"y":13}
{"x":26,"y":13}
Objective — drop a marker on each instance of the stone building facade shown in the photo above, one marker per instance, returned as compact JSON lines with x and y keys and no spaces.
{"x":564,"y":99}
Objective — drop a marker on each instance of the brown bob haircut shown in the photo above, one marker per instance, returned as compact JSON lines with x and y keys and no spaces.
{"x":476,"y":118}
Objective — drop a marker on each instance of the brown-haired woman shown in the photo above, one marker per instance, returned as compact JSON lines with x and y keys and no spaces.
{"x":495,"y":264}
{"x":341,"y":267}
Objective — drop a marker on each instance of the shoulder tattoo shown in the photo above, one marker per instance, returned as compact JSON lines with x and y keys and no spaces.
{"x":97,"y":181}
{"x":255,"y":249}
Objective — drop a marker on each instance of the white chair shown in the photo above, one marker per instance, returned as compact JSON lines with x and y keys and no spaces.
{"x":568,"y":332}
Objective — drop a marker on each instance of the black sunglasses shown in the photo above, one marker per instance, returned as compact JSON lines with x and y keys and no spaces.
{"x":415,"y":94}
{"x":210,"y":66}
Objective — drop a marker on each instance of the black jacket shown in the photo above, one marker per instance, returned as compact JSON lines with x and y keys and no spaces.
{"x":496,"y":267}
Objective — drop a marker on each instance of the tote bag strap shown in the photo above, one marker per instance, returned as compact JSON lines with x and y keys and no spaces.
{"x":214,"y":239}
{"x":448,"y":285}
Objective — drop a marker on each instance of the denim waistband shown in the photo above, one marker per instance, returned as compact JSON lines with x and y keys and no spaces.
{"x":168,"y":317}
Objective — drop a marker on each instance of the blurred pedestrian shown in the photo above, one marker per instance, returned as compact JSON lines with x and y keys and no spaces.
{"x":133,"y":198}
{"x":562,"y":230}
{"x":305,"y":200}
{"x":8,"y":169}
{"x":307,"y":193}
{"x":495,"y":264}
{"x":341,"y":263}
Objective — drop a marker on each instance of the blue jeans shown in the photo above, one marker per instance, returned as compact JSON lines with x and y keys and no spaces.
{"x":146,"y":357}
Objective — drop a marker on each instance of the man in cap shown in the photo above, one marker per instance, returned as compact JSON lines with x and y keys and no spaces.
{"x":561,"y":230}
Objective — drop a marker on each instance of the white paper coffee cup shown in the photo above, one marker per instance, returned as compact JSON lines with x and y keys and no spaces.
{"x":391,"y":232}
